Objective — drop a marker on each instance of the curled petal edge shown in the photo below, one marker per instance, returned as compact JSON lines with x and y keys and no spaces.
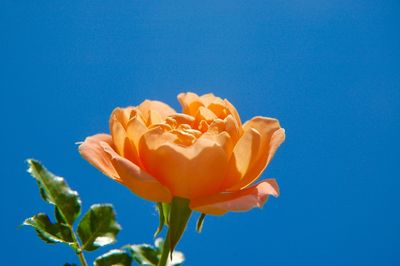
{"x":238,"y":201}
{"x":93,"y":152}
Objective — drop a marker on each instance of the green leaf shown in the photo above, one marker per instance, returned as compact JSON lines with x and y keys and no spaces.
{"x":177,"y":257}
{"x":56,"y":191}
{"x":166,"y":208}
{"x":98,"y":227}
{"x":163,"y":211}
{"x":49,"y":232}
{"x":162,"y":219}
{"x":70,"y":264}
{"x":178,"y":218}
{"x":57,"y":214}
{"x":144,"y":254}
{"x":117,"y":257}
{"x":200,"y":221}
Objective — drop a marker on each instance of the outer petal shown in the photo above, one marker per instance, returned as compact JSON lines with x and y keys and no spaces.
{"x":93,"y":152}
{"x":118,"y":134}
{"x":188,"y":171}
{"x":245,"y":153}
{"x":135,"y":129}
{"x":242,"y":200}
{"x":272,"y":135}
{"x":120,"y":120}
{"x":98,"y":150}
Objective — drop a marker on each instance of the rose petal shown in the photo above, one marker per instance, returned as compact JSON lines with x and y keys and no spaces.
{"x":205,"y":114}
{"x":242,"y":200}
{"x":162,"y":109}
{"x":190,"y":103}
{"x":124,"y":146}
{"x":209,"y":98}
{"x":223,"y":139}
{"x":245,"y":153}
{"x":182,"y":118}
{"x":232,"y":127}
{"x":99,"y":152}
{"x":218,"y":108}
{"x":272,"y":135}
{"x":188,"y":171}
{"x":233,"y":111}
{"x":94,"y":153}
{"x":118,"y":134}
{"x":122,"y":114}
{"x":155,"y":117}
{"x":135,"y":129}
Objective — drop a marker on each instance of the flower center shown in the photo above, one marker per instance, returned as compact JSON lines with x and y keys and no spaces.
{"x":181,"y":126}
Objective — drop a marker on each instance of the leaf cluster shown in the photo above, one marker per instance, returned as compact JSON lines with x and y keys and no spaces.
{"x":98,"y":226}
{"x":143,"y":254}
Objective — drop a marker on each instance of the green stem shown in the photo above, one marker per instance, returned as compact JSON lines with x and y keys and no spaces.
{"x":82,"y":258}
{"x":165,"y":251}
{"x":79,"y":252}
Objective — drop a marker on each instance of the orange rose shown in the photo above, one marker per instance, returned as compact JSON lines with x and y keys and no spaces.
{"x":203,"y":154}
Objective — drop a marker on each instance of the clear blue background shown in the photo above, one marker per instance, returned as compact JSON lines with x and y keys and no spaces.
{"x":329,"y":70}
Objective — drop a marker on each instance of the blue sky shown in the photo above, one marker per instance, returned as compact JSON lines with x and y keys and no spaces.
{"x":328,"y":70}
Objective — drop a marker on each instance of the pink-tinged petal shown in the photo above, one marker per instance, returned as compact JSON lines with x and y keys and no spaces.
{"x":238,"y":201}
{"x":272,"y":136}
{"x":99,"y":151}
{"x":94,"y":153}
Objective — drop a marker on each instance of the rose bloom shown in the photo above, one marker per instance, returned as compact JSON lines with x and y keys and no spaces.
{"x":204,"y":154}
